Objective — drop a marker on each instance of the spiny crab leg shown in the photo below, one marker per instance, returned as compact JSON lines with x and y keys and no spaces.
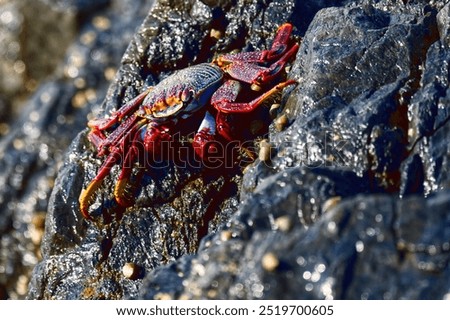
{"x":147,"y":137}
{"x":103,"y":145}
{"x":227,"y":106}
{"x":87,"y":194}
{"x":255,"y":74}
{"x":127,"y":166}
{"x":115,"y":156}
{"x":117,"y":116}
{"x":279,"y":45}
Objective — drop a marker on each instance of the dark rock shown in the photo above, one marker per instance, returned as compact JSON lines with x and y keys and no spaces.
{"x":443,"y":18}
{"x":344,"y":255}
{"x":357,"y":67}
{"x":428,"y":113}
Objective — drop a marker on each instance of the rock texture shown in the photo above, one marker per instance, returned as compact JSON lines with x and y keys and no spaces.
{"x":352,"y":204}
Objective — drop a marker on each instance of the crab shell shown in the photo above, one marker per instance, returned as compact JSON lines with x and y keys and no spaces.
{"x":183,"y":93}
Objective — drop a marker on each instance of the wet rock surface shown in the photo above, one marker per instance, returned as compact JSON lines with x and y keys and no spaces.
{"x":357,"y":250}
{"x":352,"y":204}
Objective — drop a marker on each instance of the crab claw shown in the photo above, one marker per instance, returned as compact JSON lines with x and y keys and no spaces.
{"x":280,"y":41}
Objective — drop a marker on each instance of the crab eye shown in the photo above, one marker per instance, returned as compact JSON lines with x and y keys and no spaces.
{"x":186,"y":95}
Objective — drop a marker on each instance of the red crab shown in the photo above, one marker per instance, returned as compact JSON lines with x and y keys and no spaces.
{"x":152,"y":118}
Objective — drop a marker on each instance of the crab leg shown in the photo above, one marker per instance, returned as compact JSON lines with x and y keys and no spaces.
{"x":255,"y":74}
{"x":124,"y":177}
{"x":280,"y":41}
{"x":279,"y":45}
{"x":127,"y":166}
{"x":147,"y":137}
{"x":87,"y":193}
{"x":128,"y":108}
{"x":223,"y":98}
{"x":103,"y":143}
{"x":115,"y":156}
